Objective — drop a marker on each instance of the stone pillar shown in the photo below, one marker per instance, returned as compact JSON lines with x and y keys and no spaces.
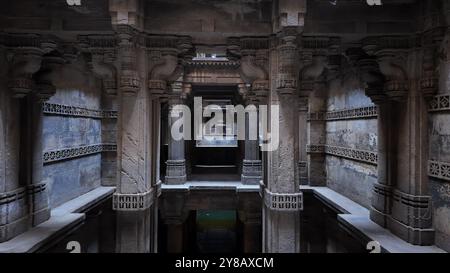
{"x":15,"y":170}
{"x":104,"y":68}
{"x":135,"y":194}
{"x":303,"y":140}
{"x":313,"y":66}
{"x":251,"y":166}
{"x":400,"y":199}
{"x":282,"y":198}
{"x":38,"y":194}
{"x":176,"y":163}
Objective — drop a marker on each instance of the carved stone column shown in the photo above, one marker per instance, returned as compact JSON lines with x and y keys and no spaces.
{"x":313,"y":66}
{"x":176,"y":163}
{"x":282,"y":198}
{"x":303,"y":141}
{"x":401,"y":201}
{"x":38,"y":193}
{"x":135,"y":194}
{"x":382,"y":190}
{"x":15,"y":171}
{"x":251,"y":166}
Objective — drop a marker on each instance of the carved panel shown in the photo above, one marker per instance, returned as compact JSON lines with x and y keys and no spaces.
{"x":344,"y":152}
{"x":69,"y":153}
{"x":66,"y":110}
{"x":354,"y":113}
{"x":440,"y":103}
{"x":439,"y":170}
{"x":133,"y":201}
{"x":283,"y":201}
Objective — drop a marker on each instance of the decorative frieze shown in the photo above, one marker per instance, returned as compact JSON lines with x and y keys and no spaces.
{"x":344,"y":152}
{"x":440,"y":103}
{"x":66,"y":110}
{"x":439,"y":170}
{"x":283,"y":201}
{"x":345,"y":114}
{"x":133,"y":201}
{"x":69,"y":153}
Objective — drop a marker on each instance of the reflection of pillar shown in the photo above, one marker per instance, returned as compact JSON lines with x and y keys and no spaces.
{"x":282,"y":199}
{"x":174,"y":216}
{"x":175,"y":237}
{"x":176,"y":163}
{"x":251,"y":167}
{"x":251,"y":224}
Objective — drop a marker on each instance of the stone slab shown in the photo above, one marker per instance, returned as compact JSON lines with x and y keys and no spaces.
{"x":211,"y":185}
{"x":63,"y":219}
{"x":355,"y":218}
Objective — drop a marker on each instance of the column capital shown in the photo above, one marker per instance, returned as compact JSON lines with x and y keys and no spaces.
{"x":24,"y":63}
{"x":103,"y":66}
{"x":45,"y":76}
{"x":390,"y":53}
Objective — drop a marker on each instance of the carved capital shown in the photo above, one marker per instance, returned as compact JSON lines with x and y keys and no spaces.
{"x":103,"y":66}
{"x":45,"y":88}
{"x":25,"y":62}
{"x":287,"y":78}
{"x":373,"y":79}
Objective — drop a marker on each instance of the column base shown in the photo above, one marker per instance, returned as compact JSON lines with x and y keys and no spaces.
{"x":14,"y":218}
{"x":251,"y":172}
{"x":39,"y":202}
{"x":415,"y":236}
{"x":176,"y":172}
{"x":378,"y":217}
{"x":411,"y":218}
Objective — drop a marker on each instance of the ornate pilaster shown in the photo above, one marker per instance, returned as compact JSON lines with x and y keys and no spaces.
{"x":176,"y":163}
{"x":400,"y":198}
{"x":38,"y":192}
{"x":251,"y":166}
{"x":281,"y":190}
{"x":135,"y":193}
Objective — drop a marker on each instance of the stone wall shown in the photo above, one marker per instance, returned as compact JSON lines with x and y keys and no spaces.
{"x":439,"y":159}
{"x":346,"y":134}
{"x":75,"y":126}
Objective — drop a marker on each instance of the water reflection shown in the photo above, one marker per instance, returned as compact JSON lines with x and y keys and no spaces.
{"x":207,"y":232}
